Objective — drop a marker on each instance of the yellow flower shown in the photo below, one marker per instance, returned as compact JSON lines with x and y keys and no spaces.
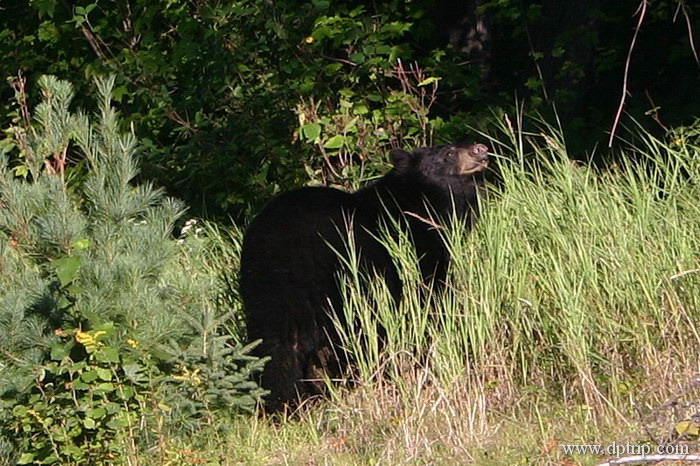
{"x":309,"y":40}
{"x":88,"y":340}
{"x":133,"y":343}
{"x":189,"y":376}
{"x":83,"y":337}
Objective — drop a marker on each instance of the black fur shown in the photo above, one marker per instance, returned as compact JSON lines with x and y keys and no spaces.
{"x":289,"y":262}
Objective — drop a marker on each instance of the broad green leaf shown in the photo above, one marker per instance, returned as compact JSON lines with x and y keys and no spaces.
{"x":47,"y":31}
{"x":66,"y":268}
{"x":358,"y":58}
{"x":360,"y":109}
{"x":89,"y":376}
{"x":112,"y":407}
{"x":105,"y":387}
{"x":104,"y":374}
{"x":58,"y":351}
{"x":96,"y":413}
{"x":127,"y":392}
{"x":117,"y":423}
{"x":107,"y":354}
{"x":103,"y":330}
{"x":21,"y":170}
{"x":19,"y":411}
{"x":427,"y":81}
{"x":45,"y":7}
{"x":351,"y":126}
{"x":311,"y":131}
{"x":26,"y":458}
{"x":80,"y":385}
{"x":69,"y":450}
{"x":81,"y":244}
{"x":336,"y":142}
{"x":382,"y":49}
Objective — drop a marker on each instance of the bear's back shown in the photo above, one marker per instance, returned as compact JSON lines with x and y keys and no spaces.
{"x":297,"y":222}
{"x":292,"y":247}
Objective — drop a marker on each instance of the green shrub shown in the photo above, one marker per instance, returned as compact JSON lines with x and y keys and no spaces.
{"x":83,"y":409}
{"x":102,"y":309}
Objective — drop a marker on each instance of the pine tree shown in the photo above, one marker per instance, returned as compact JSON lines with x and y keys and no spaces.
{"x":98,"y":247}
{"x":83,"y":248}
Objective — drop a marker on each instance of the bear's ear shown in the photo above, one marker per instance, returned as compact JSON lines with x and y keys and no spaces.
{"x":401,"y":159}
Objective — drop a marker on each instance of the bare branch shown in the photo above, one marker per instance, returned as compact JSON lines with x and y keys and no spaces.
{"x":655,"y":112}
{"x":94,"y":43}
{"x":339,"y":60}
{"x":642,"y":13}
{"x":173,"y":114}
{"x":413,"y":83}
{"x":329,"y":164}
{"x":19,"y":85}
{"x":684,"y":9}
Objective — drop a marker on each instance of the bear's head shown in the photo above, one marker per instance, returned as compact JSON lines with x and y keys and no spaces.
{"x":445,"y":165}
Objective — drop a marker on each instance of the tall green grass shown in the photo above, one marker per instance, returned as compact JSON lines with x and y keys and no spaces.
{"x":577,"y":283}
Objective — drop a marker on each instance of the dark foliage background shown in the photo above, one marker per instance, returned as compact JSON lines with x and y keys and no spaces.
{"x":217,"y":90}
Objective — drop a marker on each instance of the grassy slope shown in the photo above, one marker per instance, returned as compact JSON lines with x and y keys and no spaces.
{"x":571,"y":316}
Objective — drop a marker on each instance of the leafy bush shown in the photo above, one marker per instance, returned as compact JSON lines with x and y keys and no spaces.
{"x":102,"y":309}
{"x":84,"y":409}
{"x":212,"y":88}
{"x":349,"y":133}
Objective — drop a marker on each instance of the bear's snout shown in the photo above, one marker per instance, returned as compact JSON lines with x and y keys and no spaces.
{"x":480,"y":152}
{"x":473,"y":159}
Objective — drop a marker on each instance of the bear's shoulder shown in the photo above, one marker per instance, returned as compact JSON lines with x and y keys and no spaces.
{"x":308,"y":209}
{"x":310,"y":198}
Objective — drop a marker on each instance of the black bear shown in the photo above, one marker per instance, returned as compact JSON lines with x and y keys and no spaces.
{"x":290,"y":257}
